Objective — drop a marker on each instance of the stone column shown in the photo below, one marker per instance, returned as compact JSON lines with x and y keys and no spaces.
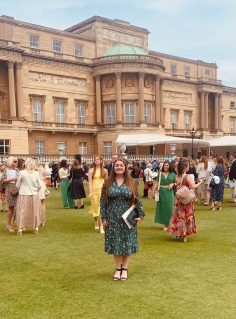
{"x":216,"y":111}
{"x":11,"y":84}
{"x":202,"y":111}
{"x":157,"y":100}
{"x":206,"y":112}
{"x":220,"y":112}
{"x":118,"y":99}
{"x":19,"y":91}
{"x":140,"y":119}
{"x":98,"y":100}
{"x":161,"y":103}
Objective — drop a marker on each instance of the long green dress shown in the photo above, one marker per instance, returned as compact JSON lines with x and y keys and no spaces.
{"x":119,"y":239}
{"x":165,"y":205}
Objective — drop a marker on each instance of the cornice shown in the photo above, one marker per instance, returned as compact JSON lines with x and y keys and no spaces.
{"x":123,"y":24}
{"x":165,"y":55}
{"x":45,"y":29}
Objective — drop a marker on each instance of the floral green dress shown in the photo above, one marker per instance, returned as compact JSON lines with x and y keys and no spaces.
{"x":119,"y":239}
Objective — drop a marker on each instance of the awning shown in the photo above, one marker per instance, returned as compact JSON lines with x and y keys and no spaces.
{"x":154,"y":139}
{"x":223,"y":141}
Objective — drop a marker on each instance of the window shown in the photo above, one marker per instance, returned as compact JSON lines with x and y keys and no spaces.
{"x":110,"y":113}
{"x":78,"y":50}
{"x":37,"y":109}
{"x":232,"y":124}
{"x":81,"y":113}
{"x":107,"y":147}
{"x":173,"y":69}
{"x":232,"y":104}
{"x":83,"y":148}
{"x":60,"y":111}
{"x":39,"y":147}
{"x":174,"y":118}
{"x":34,"y":41}
{"x":207,"y":72}
{"x":61,"y":147}
{"x":187,"y":120}
{"x":57,"y":45}
{"x":129,"y":112}
{"x":131,"y":150}
{"x":186,"y":71}
{"x":147,"y":112}
{"x":4,"y":147}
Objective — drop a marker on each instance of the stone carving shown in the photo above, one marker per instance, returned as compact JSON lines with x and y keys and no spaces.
{"x":148,"y":83}
{"x":122,"y":37}
{"x":109,"y":83}
{"x":57,"y":79}
{"x":129,"y":81}
{"x":172,"y":95}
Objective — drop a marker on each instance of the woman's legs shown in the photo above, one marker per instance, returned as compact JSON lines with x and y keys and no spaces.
{"x":118,"y":263}
{"x":9,"y":219}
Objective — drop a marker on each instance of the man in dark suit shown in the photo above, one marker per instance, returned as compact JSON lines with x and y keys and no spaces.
{"x":232,"y":177}
{"x":109,"y":166}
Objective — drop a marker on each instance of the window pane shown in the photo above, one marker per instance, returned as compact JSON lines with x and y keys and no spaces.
{"x":81,"y":113}
{"x":78,"y":49}
{"x":83,"y":148}
{"x":37,"y":110}
{"x":147,"y":112}
{"x":110,"y":113}
{"x":34,"y":41}
{"x":107,"y":146}
{"x":39,"y":147}
{"x":57,"y":44}
{"x":129,"y":112}
{"x":60,"y":112}
{"x":4,"y":147}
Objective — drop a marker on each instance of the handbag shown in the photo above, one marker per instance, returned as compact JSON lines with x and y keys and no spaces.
{"x":46,"y":192}
{"x":150,"y":183}
{"x":13,"y":189}
{"x":129,"y":217}
{"x":157,"y":193}
{"x":184,"y":194}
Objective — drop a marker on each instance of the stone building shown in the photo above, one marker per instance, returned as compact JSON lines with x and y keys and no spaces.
{"x":75,"y":91}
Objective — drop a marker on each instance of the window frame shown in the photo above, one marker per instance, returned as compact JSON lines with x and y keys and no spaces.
{"x":81,"y":50}
{"x":5,"y":145}
{"x":40,"y":148}
{"x":83,"y":148}
{"x":31,"y":42}
{"x":107,"y":148}
{"x":128,"y":117}
{"x":147,"y":118}
{"x":37,"y":99}
{"x":110,"y":111}
{"x":54,"y":47}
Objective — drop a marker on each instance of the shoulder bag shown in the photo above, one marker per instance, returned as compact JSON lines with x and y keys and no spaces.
{"x":184,"y":194}
{"x":157,"y":193}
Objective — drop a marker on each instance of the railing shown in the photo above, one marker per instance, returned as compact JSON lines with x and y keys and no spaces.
{"x":58,"y":125}
{"x":84,"y":158}
{"x":5,"y":121}
{"x":7,"y":43}
{"x":129,"y":58}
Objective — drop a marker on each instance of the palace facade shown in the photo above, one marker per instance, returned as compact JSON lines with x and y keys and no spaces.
{"x":77,"y":90}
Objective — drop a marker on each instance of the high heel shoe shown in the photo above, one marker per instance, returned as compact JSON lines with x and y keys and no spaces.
{"x":19,"y":233}
{"x":124,"y":278}
{"x":218,"y":208}
{"x":212,"y":208}
{"x":81,"y":207}
{"x":10,"y":229}
{"x":36,"y":231}
{"x":116,"y":278}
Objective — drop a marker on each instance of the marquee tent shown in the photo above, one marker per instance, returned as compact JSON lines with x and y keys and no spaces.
{"x":223,"y":141}
{"x":153,"y":139}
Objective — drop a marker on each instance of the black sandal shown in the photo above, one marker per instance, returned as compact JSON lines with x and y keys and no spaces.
{"x":115,"y":278}
{"x":124,"y":278}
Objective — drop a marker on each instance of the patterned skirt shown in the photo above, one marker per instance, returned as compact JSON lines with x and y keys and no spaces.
{"x":29,"y":212}
{"x":182,"y":222}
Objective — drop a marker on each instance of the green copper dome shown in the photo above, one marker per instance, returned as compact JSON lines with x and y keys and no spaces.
{"x":124,"y":50}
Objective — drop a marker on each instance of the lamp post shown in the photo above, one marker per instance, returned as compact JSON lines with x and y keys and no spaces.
{"x":192,"y":133}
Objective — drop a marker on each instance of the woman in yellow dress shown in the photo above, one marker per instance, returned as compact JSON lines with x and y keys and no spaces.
{"x":96,"y":175}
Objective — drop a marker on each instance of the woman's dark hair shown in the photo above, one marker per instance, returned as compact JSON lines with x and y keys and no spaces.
{"x":78,"y":158}
{"x":127,"y":181}
{"x":76,"y":164}
{"x":135,"y":167}
{"x":63,"y":163}
{"x":183,"y":163}
{"x":166,"y":162}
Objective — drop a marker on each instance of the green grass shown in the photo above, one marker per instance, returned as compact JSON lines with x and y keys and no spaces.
{"x":64,"y":273}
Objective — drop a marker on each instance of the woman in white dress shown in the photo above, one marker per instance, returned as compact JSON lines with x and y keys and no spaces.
{"x":28,"y":208}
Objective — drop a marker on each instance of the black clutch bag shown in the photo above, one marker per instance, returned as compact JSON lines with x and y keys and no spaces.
{"x":131,"y":217}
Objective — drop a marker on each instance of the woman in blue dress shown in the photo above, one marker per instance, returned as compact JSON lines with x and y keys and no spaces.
{"x":217,"y":191}
{"x":118,"y":195}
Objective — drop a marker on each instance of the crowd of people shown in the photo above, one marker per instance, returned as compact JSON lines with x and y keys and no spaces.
{"x":177,"y":184}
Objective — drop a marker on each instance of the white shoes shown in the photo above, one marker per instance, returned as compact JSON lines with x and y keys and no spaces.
{"x":96,"y":226}
{"x":102,"y":230}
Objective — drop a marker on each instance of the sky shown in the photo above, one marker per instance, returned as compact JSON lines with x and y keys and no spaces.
{"x":194,"y":29}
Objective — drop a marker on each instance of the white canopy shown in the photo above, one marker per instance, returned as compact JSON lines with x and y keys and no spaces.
{"x":153,"y":139}
{"x":223,"y":141}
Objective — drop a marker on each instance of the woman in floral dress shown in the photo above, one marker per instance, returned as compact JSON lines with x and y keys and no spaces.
{"x":182,"y":223}
{"x":118,"y":195}
{"x":217,"y":192}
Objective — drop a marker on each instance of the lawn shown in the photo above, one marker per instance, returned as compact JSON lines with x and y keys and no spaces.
{"x":64,"y":273}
